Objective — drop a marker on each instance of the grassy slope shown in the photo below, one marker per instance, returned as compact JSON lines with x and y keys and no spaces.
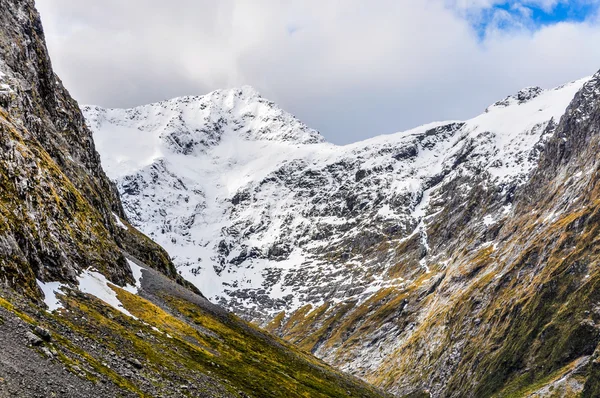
{"x":185,"y":349}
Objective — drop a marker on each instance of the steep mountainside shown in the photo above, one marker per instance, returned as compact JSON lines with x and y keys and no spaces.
{"x":89,"y":306}
{"x":59,"y":212}
{"x":455,"y":258}
{"x":259,"y":219}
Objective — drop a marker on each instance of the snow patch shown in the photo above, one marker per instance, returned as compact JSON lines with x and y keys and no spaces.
{"x":119,"y":222}
{"x":50,"y":289}
{"x":97,"y":285}
{"x":488,"y":220}
{"x":136,"y":270}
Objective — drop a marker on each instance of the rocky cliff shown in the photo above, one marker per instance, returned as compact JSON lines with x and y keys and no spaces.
{"x":60,"y":214}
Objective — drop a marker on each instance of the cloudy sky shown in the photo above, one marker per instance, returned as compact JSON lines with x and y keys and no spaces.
{"x":350,"y":68}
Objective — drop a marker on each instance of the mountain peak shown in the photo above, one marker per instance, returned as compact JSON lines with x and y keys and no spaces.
{"x":244,"y":93}
{"x":522,"y":96}
{"x":192,"y":125}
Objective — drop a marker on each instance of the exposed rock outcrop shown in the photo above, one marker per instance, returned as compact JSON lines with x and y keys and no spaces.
{"x":59,"y":212}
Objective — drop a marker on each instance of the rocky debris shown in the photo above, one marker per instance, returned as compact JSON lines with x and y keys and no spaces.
{"x":43,"y":333}
{"x":136,"y":364}
{"x":182,"y":370}
{"x":47,"y":352}
{"x":26,"y":373}
{"x":33,"y":339}
{"x":81,"y":363}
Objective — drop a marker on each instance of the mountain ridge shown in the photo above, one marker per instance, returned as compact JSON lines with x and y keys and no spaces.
{"x":236,"y":189}
{"x":90,"y":306}
{"x":385,"y":257}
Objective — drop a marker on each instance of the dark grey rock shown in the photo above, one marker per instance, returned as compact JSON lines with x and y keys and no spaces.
{"x":33,"y":339}
{"x":43,"y":333}
{"x":136,"y":364}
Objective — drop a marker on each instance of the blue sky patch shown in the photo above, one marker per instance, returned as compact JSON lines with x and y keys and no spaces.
{"x":508,"y":14}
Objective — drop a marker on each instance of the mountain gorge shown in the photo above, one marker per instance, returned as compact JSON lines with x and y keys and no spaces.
{"x":89,"y":306}
{"x":456,"y":258}
{"x":216,"y":246}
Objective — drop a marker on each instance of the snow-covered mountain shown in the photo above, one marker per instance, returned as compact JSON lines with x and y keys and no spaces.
{"x":89,"y":306}
{"x":252,"y":204}
{"x":406,"y":259}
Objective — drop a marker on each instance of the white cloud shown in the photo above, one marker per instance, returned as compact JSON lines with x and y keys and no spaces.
{"x":350,"y":68}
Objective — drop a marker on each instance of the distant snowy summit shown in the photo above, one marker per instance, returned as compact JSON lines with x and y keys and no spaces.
{"x":189,"y":126}
{"x":264,"y":216}
{"x":521,"y":97}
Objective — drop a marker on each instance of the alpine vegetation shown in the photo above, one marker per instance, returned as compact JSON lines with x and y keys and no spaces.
{"x":217,"y":246}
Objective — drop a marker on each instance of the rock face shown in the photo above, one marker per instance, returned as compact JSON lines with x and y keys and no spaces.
{"x":456,"y":257}
{"x":59,"y":213}
{"x":118,"y":320}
